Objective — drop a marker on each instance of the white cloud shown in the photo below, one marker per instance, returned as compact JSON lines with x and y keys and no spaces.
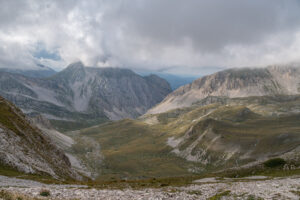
{"x":172,"y":35}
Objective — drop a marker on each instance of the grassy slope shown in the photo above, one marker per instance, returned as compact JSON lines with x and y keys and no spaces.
{"x":135,"y":149}
{"x":80,"y":123}
{"x":132,"y":148}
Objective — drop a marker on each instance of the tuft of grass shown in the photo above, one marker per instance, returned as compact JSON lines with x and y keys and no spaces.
{"x":296,"y":192}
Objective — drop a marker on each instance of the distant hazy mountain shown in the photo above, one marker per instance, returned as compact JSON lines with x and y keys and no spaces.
{"x":25,"y":148}
{"x":40,"y":72}
{"x":176,"y":81}
{"x":273,"y":80}
{"x":85,"y":93}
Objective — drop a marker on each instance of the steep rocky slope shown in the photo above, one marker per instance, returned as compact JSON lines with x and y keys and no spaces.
{"x":24,"y":148}
{"x":214,"y":134}
{"x":81,"y":93}
{"x":273,"y":80}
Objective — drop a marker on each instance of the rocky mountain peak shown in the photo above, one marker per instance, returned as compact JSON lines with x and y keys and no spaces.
{"x":75,"y":66}
{"x":72,"y":73}
{"x":243,"y":82}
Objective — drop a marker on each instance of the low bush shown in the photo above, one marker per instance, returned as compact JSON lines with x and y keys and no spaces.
{"x":45,"y":193}
{"x":275,"y":162}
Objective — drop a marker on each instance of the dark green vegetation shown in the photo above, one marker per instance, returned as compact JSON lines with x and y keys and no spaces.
{"x":45,"y":193}
{"x":275,"y":162}
{"x":213,"y":135}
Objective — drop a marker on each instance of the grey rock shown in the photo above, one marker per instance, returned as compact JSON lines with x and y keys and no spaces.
{"x":245,"y":82}
{"x":81,"y":93}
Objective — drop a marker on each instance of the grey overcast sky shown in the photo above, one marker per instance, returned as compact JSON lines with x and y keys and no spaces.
{"x":175,"y":36}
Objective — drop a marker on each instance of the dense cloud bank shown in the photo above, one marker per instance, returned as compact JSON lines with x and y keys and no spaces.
{"x":170,"y":35}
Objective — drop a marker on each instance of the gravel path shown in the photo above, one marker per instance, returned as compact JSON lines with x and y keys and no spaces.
{"x":284,"y":188}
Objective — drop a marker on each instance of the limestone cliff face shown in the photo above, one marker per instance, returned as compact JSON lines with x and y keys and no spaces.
{"x":273,"y":80}
{"x":25,"y":148}
{"x":80,"y":92}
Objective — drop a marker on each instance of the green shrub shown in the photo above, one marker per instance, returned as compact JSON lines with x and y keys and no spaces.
{"x":164,"y":185}
{"x":45,"y":193}
{"x":274,"y":163}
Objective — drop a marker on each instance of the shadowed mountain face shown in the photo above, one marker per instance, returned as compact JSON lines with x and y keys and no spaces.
{"x":84,"y":93}
{"x":273,"y":80}
{"x":25,"y":148}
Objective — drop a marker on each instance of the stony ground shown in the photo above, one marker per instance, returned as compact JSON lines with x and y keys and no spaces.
{"x":251,"y":188}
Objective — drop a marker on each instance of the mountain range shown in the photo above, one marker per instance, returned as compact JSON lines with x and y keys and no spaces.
{"x":84,"y":94}
{"x":40,"y":71}
{"x":232,"y":119}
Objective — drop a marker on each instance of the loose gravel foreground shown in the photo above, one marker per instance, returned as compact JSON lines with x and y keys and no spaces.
{"x":251,"y":188}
